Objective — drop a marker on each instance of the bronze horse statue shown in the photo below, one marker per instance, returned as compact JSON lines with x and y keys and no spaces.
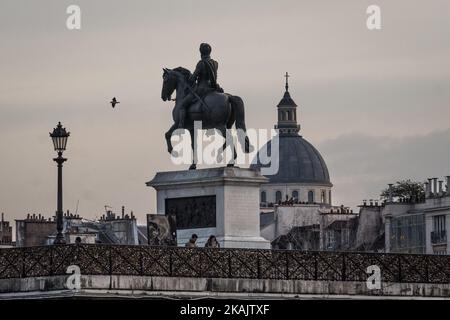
{"x":216,"y":111}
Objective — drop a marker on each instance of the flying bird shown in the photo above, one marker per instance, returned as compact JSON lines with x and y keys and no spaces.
{"x":114,"y":102}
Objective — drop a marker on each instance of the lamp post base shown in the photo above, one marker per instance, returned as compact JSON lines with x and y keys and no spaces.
{"x":59,"y":239}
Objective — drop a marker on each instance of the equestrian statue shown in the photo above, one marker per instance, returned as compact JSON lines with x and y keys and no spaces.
{"x":200,"y":98}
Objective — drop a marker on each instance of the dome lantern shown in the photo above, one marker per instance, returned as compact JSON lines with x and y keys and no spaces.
{"x":287,"y":113}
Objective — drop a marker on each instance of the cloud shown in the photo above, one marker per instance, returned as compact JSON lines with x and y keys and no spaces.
{"x":344,"y":79}
{"x":362,"y":165}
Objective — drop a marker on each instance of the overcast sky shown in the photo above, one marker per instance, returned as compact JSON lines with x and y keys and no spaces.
{"x":374,"y":103}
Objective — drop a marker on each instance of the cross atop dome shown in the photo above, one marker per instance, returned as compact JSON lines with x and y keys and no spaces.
{"x":287,"y":82}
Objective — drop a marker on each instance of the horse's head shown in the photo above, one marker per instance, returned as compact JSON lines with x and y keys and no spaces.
{"x":173,"y":78}
{"x":169,"y":84}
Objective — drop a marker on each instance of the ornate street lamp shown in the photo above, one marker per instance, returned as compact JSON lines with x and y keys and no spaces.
{"x":59,"y":137}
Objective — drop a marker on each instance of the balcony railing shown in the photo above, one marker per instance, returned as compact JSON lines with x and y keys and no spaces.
{"x":439,"y":237}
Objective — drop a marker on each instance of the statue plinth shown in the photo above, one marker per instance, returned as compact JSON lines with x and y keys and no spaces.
{"x":219,"y":201}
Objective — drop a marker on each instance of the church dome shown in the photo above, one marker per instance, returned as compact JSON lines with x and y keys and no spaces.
{"x":299,"y":161}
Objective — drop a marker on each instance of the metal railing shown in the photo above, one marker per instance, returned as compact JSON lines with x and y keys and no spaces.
{"x":439,"y":237}
{"x":101,"y":259}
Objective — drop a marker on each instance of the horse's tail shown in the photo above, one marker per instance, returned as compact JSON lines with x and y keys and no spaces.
{"x":238,"y":115}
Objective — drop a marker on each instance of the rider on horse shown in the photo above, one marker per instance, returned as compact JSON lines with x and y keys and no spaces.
{"x":205,"y":78}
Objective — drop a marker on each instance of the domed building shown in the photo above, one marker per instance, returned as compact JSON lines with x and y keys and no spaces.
{"x":302,"y":175}
{"x":296,"y":208}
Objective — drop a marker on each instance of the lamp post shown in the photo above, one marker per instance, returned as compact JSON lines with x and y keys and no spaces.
{"x":59,"y":137}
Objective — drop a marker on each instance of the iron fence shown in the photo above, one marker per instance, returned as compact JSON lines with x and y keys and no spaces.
{"x":439,"y":237}
{"x":221,"y":263}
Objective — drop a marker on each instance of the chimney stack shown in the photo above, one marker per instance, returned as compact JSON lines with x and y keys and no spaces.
{"x":435,"y":187}
{"x":430,"y":184}
{"x":123,"y":212}
{"x":427,"y":189}
{"x":390,"y":192}
{"x":441,"y":191}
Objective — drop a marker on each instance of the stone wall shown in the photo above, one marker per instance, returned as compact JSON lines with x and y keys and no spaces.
{"x":141,"y":286}
{"x":33,"y":232}
{"x":370,"y":226}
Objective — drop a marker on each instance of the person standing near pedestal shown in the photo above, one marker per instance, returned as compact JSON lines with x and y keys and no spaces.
{"x":192,"y":241}
{"x":212,"y":242}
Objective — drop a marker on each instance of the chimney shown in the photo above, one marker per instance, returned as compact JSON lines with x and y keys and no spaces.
{"x":390,"y":192}
{"x":427,"y":189}
{"x":441,"y":191}
{"x":430,"y":183}
{"x":435,"y":191}
{"x":123,"y":212}
{"x":447,"y":186}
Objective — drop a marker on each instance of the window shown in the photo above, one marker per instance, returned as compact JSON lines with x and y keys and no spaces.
{"x":295,"y":195}
{"x":263,"y":197}
{"x":277,"y":196}
{"x":310,"y":196}
{"x":345,"y":237}
{"x":329,"y":196}
{"x":408,"y":234}
{"x":438,"y":235}
{"x":439,"y":223}
{"x":289,"y":115}
{"x":330,"y":240}
{"x":323,"y":197}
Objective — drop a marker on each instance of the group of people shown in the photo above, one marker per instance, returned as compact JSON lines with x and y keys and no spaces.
{"x":211,"y":243}
{"x":288,"y":202}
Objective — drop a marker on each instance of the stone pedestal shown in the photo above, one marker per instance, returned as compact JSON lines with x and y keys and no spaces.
{"x":220,"y":201}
